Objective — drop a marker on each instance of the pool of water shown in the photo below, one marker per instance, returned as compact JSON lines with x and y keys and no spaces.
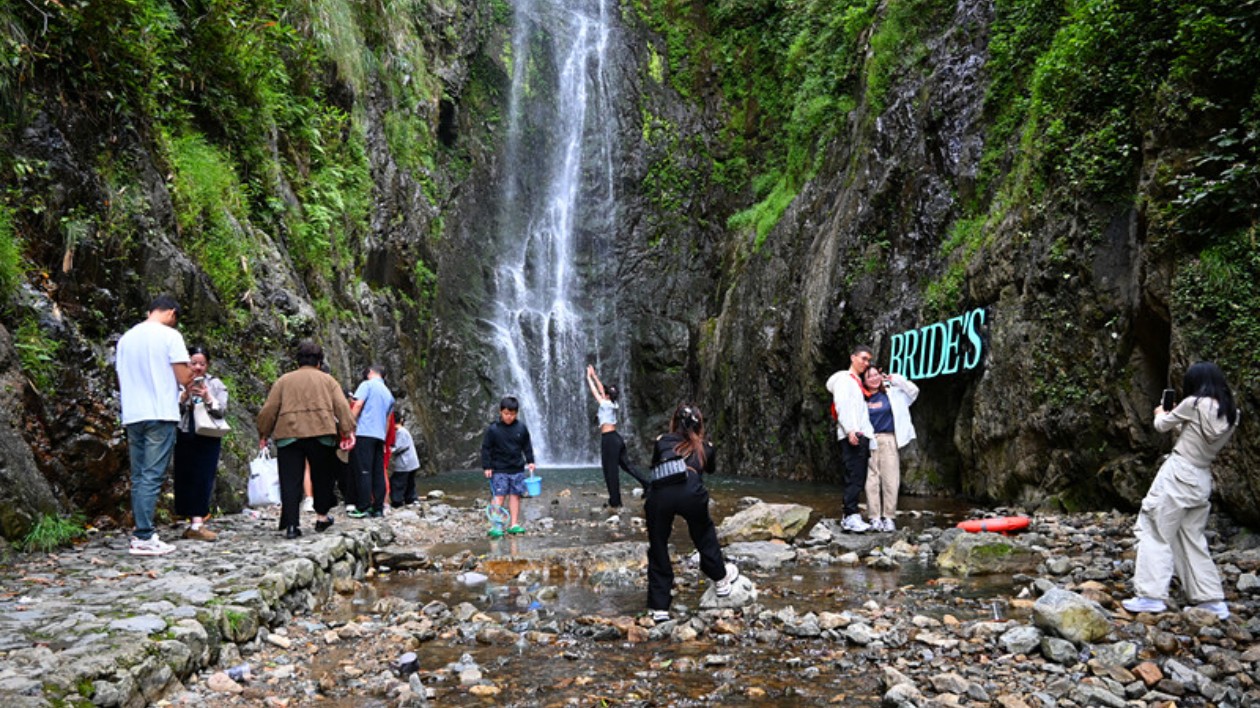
{"x":546,"y":575}
{"x":572,"y":498}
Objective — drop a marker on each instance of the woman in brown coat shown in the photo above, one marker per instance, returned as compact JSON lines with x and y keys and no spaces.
{"x":308,"y":415}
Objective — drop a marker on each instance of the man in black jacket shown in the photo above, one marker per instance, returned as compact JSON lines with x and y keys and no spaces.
{"x":506,"y":452}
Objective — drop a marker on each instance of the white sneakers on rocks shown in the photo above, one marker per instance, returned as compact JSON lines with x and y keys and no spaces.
{"x":1145,"y":604}
{"x":722,"y":588}
{"x":1219,"y":608}
{"x":151,"y":546}
{"x":659,"y":616}
{"x":853,"y":523}
{"x":883,"y":524}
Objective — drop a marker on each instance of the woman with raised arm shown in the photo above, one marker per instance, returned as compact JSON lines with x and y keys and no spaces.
{"x":612,"y":448}
{"x":1175,"y":511}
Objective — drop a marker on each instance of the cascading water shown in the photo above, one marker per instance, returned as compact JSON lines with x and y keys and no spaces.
{"x":552,"y":294}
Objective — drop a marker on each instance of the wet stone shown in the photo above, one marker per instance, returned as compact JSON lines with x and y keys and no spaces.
{"x":144,"y":624}
{"x":1060,"y":651}
{"x":1020,"y":640}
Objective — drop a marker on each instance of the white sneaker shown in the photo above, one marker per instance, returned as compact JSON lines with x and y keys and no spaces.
{"x":853,"y":523}
{"x":722,"y":587}
{"x":1219,"y":608}
{"x":889,"y":525}
{"x":876,"y":524}
{"x":152,"y":546}
{"x":308,"y":504}
{"x":659,"y":616}
{"x":1144,"y":604}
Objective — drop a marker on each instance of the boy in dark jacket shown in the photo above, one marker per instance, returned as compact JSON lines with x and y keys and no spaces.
{"x":506,"y":452}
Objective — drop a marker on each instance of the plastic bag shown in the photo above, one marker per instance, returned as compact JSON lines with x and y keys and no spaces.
{"x":264,"y":480}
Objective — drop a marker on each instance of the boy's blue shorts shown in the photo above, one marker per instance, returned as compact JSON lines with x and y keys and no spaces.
{"x":504,"y":484}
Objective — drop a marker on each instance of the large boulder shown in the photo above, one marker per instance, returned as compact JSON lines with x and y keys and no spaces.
{"x":763,"y":522}
{"x":987,"y":554}
{"x":1071,"y":616}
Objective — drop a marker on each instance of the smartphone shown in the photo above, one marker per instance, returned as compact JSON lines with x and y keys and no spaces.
{"x":1169,"y":400}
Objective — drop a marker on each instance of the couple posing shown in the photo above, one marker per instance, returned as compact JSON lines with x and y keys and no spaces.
{"x":872,"y":413}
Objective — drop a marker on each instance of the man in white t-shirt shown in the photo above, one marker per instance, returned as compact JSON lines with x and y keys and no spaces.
{"x":152,"y":364}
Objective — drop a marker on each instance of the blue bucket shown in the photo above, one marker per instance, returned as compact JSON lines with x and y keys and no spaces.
{"x":533,"y":486}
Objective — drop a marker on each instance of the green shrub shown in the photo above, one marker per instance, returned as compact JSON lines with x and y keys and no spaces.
{"x":210,"y":210}
{"x":38,"y":354}
{"x":11,"y":268}
{"x":52,"y":532}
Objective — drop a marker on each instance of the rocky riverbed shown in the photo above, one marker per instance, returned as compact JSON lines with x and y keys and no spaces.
{"x":420,"y":608}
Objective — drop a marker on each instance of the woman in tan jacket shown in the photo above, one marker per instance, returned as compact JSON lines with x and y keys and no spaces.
{"x":308,"y":415}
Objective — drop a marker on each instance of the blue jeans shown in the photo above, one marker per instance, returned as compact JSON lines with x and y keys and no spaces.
{"x":150,"y":443}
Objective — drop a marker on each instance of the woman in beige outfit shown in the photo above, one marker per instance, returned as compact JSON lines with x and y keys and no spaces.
{"x":1175,"y":511}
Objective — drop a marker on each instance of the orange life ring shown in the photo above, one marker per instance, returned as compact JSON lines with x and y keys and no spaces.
{"x":1002,"y":524}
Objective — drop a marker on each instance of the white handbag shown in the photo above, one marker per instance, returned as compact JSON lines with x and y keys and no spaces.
{"x":206,"y":424}
{"x":264,"y":480}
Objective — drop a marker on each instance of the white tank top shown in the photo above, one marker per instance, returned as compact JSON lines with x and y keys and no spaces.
{"x":607,"y":413}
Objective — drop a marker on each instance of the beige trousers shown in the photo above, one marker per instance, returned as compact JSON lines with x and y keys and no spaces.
{"x":883,"y":478}
{"x":1170,"y":535}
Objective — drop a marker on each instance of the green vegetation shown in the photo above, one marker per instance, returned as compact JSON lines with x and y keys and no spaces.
{"x":37,"y":352}
{"x":11,"y":267}
{"x":256,"y":117}
{"x":210,"y":208}
{"x":51,"y":532}
{"x":789,"y":74}
{"x":898,"y":44}
{"x":992,"y":551}
{"x":235,"y":620}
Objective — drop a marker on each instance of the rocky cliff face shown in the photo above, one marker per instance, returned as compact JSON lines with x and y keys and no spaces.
{"x":282,"y":169}
{"x":793,"y":179}
{"x":922,"y":209}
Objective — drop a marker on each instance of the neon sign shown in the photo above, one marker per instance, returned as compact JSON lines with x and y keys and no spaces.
{"x":939,"y":349}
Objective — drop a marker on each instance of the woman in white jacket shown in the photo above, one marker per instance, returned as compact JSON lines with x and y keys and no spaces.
{"x":1175,"y":511}
{"x":888,"y":400}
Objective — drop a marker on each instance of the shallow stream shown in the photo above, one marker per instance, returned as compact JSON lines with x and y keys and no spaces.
{"x":546,"y":578}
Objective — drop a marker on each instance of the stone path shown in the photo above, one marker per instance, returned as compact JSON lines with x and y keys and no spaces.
{"x":96,"y":625}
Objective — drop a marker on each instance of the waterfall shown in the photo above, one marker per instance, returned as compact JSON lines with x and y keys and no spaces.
{"x":554,"y":298}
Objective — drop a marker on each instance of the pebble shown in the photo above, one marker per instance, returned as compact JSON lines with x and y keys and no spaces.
{"x":220,"y":683}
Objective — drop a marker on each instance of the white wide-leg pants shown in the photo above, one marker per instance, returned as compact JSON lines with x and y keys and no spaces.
{"x":1170,"y":536}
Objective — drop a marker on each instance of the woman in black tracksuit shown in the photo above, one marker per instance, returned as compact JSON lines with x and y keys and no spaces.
{"x":679,"y":458}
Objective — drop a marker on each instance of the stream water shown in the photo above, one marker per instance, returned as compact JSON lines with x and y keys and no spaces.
{"x":545,"y":578}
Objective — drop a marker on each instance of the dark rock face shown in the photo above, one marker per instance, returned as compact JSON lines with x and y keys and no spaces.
{"x":1079,"y":336}
{"x":1081,"y":331}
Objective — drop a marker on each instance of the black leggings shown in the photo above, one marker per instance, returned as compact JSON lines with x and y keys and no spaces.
{"x":690,"y":501}
{"x":612,"y":455}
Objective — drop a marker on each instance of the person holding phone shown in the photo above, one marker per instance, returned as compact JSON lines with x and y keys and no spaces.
{"x":1175,"y":511}
{"x":888,"y":401}
{"x":197,"y":456}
